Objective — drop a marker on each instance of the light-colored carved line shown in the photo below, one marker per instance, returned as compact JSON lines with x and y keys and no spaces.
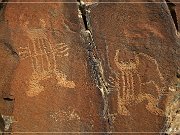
{"x":137,"y":60}
{"x":124,"y":86}
{"x":36,"y":65}
{"x":39,"y":54}
{"x":46,"y":53}
{"x":128,"y":86}
{"x":140,"y":84}
{"x":65,"y":50}
{"x":61,"y":46}
{"x":40,"y":50}
{"x":111,"y":82}
{"x":53,"y":54}
{"x":116,"y":60}
{"x":132,"y":85}
{"x":67,"y":54}
{"x":60,"y":53}
{"x":32,"y":62}
{"x":111,"y":78}
{"x":23,"y":48}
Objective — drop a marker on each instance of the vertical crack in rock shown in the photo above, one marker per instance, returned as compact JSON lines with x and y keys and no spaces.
{"x":3,"y":3}
{"x":94,"y":62}
{"x":171,"y":7}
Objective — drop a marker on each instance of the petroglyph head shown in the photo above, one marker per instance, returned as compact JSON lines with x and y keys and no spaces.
{"x":126,"y":60}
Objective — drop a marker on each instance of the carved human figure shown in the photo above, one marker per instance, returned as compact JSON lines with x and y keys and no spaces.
{"x":42,"y":53}
{"x":139,"y":79}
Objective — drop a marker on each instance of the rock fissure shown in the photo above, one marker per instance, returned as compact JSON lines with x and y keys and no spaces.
{"x":95,"y":63}
{"x":171,"y":7}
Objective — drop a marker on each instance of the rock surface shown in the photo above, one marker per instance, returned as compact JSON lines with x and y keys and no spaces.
{"x":137,"y":49}
{"x":73,"y":66}
{"x":52,"y":87}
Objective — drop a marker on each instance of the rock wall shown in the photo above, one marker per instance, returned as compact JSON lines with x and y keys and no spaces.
{"x":89,"y":66}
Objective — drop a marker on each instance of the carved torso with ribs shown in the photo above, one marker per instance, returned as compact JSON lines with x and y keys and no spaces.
{"x":139,"y":79}
{"x":42,"y":54}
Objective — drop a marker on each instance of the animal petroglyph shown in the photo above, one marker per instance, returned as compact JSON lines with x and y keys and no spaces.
{"x":42,"y":54}
{"x":132,"y":88}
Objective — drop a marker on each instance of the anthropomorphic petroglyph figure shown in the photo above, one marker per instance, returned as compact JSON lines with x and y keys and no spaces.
{"x":139,"y":79}
{"x":42,"y":53}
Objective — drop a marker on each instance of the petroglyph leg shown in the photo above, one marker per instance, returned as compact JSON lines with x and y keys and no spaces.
{"x":63,"y":82}
{"x":151,"y":106}
{"x":34,"y":85}
{"x":122,"y":110}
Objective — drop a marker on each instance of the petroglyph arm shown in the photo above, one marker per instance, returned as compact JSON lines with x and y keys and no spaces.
{"x":150,"y":68}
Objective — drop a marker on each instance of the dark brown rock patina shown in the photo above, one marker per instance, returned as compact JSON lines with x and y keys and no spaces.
{"x":93,"y":66}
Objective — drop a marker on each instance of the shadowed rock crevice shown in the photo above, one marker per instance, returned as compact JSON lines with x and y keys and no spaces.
{"x":82,"y":8}
{"x":95,"y":63}
{"x":172,"y":10}
{"x":3,"y":4}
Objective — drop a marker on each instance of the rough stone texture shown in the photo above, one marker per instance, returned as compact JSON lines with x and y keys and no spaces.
{"x":173,"y":104}
{"x":137,"y":46}
{"x":176,"y":7}
{"x":52,"y":87}
{"x":8,"y":64}
{"x":115,"y":72}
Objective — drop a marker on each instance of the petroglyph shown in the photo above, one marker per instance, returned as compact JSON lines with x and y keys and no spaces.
{"x":42,"y":54}
{"x":129,"y":83}
{"x":65,"y":116}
